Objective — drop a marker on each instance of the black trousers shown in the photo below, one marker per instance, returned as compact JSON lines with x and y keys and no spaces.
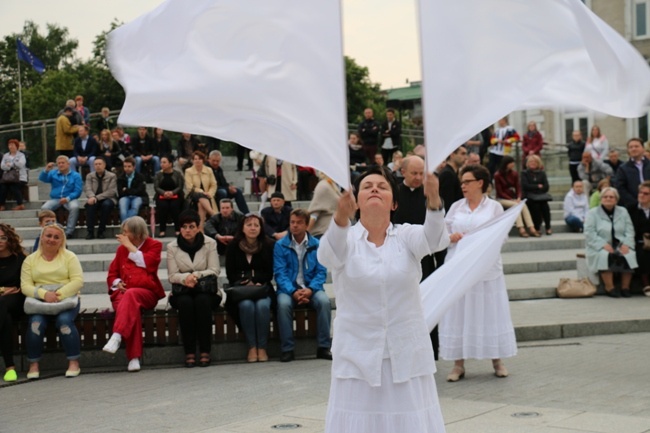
{"x":573,"y":170}
{"x":105,"y":208}
{"x":242,"y":153}
{"x":428,"y":266}
{"x":539,"y":210}
{"x":195,"y":318}
{"x":165,"y":208}
{"x":11,"y":309}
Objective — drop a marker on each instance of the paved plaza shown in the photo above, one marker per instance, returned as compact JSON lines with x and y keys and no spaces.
{"x":592,"y":384}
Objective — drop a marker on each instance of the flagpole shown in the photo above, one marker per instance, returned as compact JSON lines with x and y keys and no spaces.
{"x":20,"y":101}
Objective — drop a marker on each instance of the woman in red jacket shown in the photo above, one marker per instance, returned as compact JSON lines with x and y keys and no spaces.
{"x":533,"y":142}
{"x":506,"y":182}
{"x":133,"y":285}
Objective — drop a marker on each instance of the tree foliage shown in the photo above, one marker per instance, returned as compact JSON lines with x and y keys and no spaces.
{"x":360,"y":91}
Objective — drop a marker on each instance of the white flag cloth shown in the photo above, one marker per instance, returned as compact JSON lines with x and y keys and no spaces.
{"x":481,"y":60}
{"x":477,"y":251}
{"x":267,"y":74}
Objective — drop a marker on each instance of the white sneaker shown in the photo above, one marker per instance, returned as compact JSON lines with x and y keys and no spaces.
{"x":134,"y":365}
{"x":113,"y":344}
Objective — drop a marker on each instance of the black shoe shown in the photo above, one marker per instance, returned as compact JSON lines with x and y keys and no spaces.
{"x":324,"y":353}
{"x":614,"y":293}
{"x":100,"y":235}
{"x":90,"y":236}
{"x":626,"y":293}
{"x":287,"y":356}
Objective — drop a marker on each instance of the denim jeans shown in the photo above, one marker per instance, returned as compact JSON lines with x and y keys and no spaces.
{"x":321,"y":303}
{"x":238,"y":196}
{"x":68,"y":334}
{"x":129,"y":206}
{"x":73,"y":212}
{"x":154,"y":160}
{"x":90,"y":163}
{"x":255,"y":317}
{"x":574,"y":223}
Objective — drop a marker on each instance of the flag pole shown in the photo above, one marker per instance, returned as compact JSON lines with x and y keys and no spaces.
{"x":20,"y":101}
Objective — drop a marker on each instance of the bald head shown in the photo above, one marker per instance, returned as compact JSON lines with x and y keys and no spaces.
{"x":413,"y":171}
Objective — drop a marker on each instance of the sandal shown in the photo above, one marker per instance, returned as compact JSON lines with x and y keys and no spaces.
{"x":499,"y":369}
{"x":204,"y":360}
{"x":533,"y":232}
{"x":190,"y":360}
{"x":456,"y":374}
{"x":549,"y":232}
{"x":522,"y":232}
{"x":161,"y":234}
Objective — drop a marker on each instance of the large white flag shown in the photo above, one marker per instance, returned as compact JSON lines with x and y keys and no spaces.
{"x":477,"y":251}
{"x":483,"y":59}
{"x":267,"y":74}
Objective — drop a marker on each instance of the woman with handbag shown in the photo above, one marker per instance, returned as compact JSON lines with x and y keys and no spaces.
{"x":534,"y":183}
{"x":193,"y":268}
{"x":168,"y":185}
{"x":51,"y":279}
{"x":249,"y":268}
{"x":12,"y":256}
{"x":479,"y":325}
{"x":14,"y":175}
{"x":201,"y":186}
{"x":506,"y":181}
{"x":133,"y":286}
{"x":609,"y":241}
{"x":640,"y":214}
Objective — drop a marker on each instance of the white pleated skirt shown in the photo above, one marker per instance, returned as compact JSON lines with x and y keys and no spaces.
{"x":409,"y":407}
{"x":479,"y":325}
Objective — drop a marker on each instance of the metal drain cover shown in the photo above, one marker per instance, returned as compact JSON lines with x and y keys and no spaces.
{"x":285,"y":426}
{"x":526,"y":414}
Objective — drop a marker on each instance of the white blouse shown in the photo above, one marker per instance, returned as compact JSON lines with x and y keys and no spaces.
{"x":379,"y":311}
{"x":461,"y":219}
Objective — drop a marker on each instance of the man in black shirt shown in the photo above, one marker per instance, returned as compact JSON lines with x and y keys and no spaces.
{"x":276,"y":217}
{"x":224,"y":189}
{"x":223,"y":226}
{"x":369,"y":133}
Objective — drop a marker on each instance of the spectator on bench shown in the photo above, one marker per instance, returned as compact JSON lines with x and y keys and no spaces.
{"x":168,"y":186}
{"x":576,"y":206}
{"x":223,"y":226}
{"x":133,"y":286}
{"x":101,"y":190}
{"x":300,"y":278}
{"x":66,"y":190}
{"x":132,"y":191}
{"x":13,"y":160}
{"x":145,"y":154}
{"x":84,"y":151}
{"x":224,"y":189}
{"x":276,"y":217}
{"x":45,"y":218}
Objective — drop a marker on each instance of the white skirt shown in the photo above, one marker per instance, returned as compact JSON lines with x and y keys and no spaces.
{"x":479,"y":326}
{"x":356,"y":407}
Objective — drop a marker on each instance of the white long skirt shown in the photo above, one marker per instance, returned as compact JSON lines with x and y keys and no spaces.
{"x":409,"y":407}
{"x":479,"y":325}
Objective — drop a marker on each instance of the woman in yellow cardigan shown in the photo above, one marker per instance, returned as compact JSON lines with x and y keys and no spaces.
{"x":202,"y":185}
{"x":52,"y":264}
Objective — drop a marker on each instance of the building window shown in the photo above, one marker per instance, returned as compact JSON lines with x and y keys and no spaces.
{"x":641,"y":18}
{"x":573,"y":123}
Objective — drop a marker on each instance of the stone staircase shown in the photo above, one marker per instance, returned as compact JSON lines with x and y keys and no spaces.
{"x":533,"y":267}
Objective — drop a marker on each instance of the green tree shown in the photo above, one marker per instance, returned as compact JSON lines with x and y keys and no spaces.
{"x":361,"y":92}
{"x":55,"y":49}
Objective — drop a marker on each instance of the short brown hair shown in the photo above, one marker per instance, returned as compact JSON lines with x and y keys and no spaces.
{"x":199,"y":154}
{"x":301,"y":213}
{"x":130,"y":160}
{"x":480,"y":173}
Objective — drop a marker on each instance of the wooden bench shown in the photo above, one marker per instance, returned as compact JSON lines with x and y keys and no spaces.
{"x":160,"y":327}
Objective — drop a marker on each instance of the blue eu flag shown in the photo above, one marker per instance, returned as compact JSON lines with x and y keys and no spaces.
{"x":26,"y":56}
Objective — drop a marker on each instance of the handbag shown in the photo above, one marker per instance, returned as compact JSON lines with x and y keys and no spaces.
{"x":10,"y":176}
{"x":271,"y":179}
{"x":38,"y":306}
{"x":646,"y":241}
{"x":572,"y":288}
{"x":539,"y":196}
{"x":238,"y":293}
{"x":207,"y":284}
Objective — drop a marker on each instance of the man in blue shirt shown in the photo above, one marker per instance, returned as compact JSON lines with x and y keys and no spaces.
{"x":66,"y":190}
{"x":300,"y":280}
{"x":132,"y":190}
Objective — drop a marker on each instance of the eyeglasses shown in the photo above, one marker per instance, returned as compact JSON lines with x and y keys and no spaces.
{"x":3,"y":239}
{"x":53,"y":223}
{"x":468,"y":181}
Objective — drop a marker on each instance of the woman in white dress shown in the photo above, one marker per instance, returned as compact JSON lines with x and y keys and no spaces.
{"x":382,"y":369}
{"x":479,"y":325}
{"x":597,"y":144}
